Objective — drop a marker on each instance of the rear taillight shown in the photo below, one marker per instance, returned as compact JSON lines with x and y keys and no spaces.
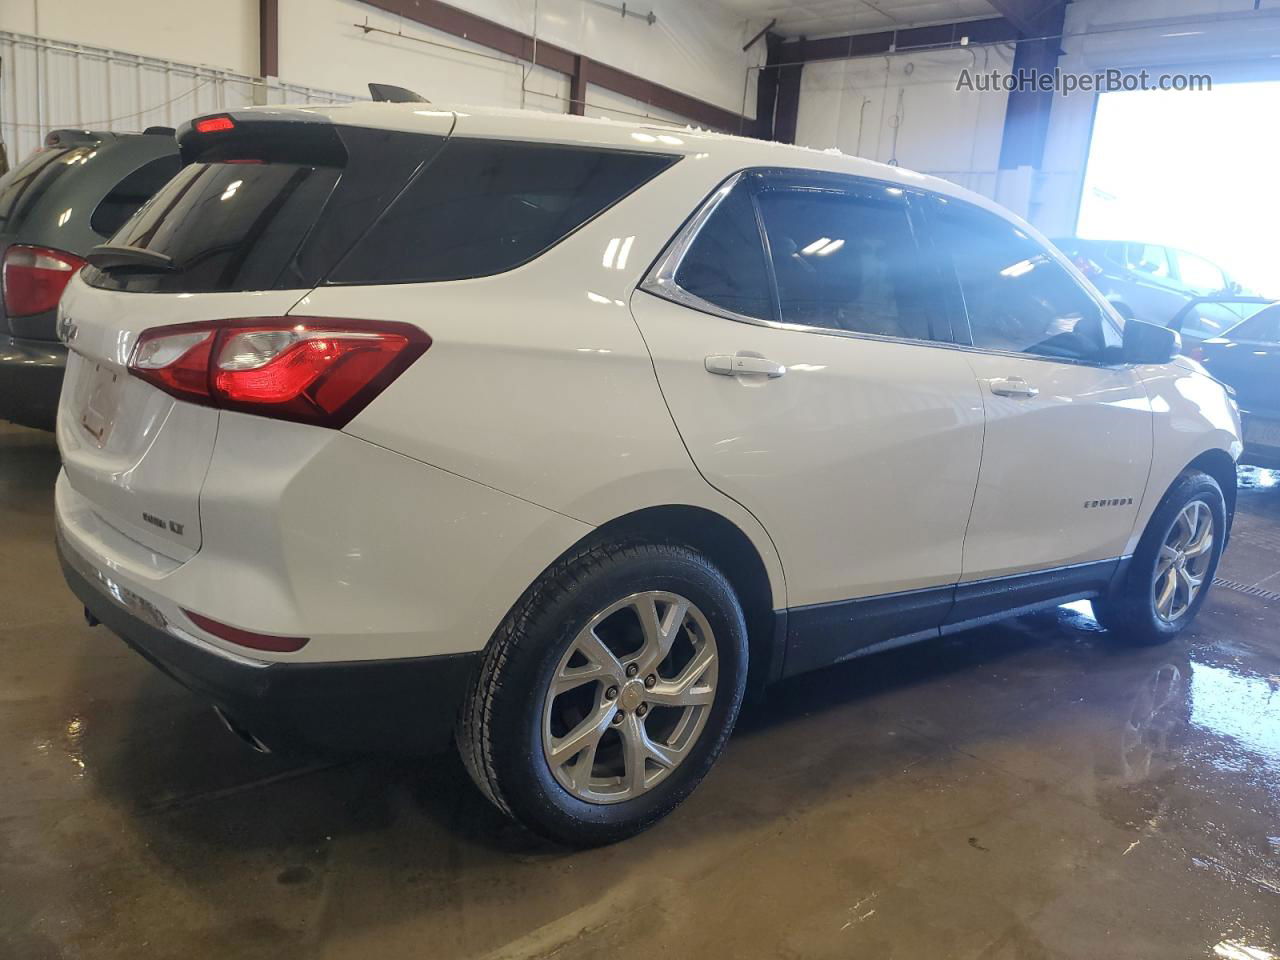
{"x":313,"y":370}
{"x":1196,"y":353}
{"x":34,"y":278}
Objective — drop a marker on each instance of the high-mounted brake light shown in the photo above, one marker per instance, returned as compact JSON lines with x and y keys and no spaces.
{"x":215,"y":124}
{"x":247,"y":638}
{"x":34,"y":278}
{"x":316,"y":370}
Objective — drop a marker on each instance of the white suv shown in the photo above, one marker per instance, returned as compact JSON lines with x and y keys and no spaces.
{"x":384,"y":420}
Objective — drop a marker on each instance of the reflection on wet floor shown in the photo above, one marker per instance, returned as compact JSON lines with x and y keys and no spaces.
{"x":1243,"y":709}
{"x":1023,"y":791}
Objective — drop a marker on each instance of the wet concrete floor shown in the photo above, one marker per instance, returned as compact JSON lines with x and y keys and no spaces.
{"x":1023,"y":791}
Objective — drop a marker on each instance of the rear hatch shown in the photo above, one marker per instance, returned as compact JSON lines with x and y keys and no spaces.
{"x":265,"y":205}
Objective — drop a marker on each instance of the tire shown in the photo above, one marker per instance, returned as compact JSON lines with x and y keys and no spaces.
{"x":1131,"y":613}
{"x":515,"y":735}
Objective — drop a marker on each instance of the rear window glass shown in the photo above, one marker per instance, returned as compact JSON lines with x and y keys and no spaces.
{"x":132,"y":192}
{"x":225,"y":226}
{"x":26,"y":183}
{"x":485,"y":206}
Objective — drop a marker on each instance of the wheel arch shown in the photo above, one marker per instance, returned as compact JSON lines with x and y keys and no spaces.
{"x":1219,"y":465}
{"x":732,"y":551}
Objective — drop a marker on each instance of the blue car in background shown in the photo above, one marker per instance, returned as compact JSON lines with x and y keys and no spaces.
{"x":1247,"y":358}
{"x":1154,"y":282}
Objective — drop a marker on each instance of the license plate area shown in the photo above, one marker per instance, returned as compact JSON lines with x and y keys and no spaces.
{"x":101,"y":401}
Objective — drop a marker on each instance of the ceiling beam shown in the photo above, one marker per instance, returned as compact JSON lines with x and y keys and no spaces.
{"x":520,"y":46}
{"x":1033,"y":18}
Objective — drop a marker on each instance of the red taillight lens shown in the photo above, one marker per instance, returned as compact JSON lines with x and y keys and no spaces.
{"x":1196,"y":353}
{"x":247,"y":638}
{"x":215,"y":124}
{"x":34,"y":278}
{"x":306,"y":369}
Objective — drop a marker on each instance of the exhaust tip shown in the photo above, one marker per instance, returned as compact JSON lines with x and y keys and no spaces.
{"x":240,"y":732}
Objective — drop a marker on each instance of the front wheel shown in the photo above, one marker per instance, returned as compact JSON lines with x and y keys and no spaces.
{"x":1172,"y":569}
{"x":607,"y":693}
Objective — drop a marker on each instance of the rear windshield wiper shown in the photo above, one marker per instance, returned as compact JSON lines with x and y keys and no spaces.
{"x":106,"y":256}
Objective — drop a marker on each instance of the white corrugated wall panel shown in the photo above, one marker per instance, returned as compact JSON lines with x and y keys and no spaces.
{"x":46,"y":85}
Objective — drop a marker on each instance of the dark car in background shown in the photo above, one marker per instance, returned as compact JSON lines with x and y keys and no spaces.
{"x":1247,"y":358}
{"x":55,"y":206}
{"x":1154,"y":282}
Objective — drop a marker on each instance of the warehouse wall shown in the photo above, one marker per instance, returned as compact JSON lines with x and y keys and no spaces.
{"x":904,"y":109}
{"x":698,"y":45}
{"x":223,"y":34}
{"x":47,"y":84}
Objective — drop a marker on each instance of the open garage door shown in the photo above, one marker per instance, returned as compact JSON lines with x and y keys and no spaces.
{"x":1192,"y":171}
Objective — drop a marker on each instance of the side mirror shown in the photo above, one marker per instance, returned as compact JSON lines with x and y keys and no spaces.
{"x":1149,"y":343}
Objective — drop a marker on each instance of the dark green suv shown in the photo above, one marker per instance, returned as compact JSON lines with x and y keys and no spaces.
{"x":55,"y":206}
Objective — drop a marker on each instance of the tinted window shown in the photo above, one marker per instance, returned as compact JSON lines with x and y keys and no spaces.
{"x":1018,"y":298}
{"x":226,"y":226}
{"x":1262,"y":327}
{"x":26,"y":183}
{"x":848,"y":261}
{"x":725,"y":265}
{"x":485,"y":206}
{"x":131,"y":193}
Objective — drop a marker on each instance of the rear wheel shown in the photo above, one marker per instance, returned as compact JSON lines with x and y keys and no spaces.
{"x":607,"y":693}
{"x":1173,"y":567}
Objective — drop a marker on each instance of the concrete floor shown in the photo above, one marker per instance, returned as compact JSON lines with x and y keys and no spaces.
{"x":1024,"y":791}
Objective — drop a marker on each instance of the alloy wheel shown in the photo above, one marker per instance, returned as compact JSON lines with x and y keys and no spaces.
{"x":1183,"y":562}
{"x":630,"y":697}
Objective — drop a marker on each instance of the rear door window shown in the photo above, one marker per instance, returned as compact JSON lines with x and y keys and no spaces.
{"x":486,"y":206}
{"x":846,"y":258}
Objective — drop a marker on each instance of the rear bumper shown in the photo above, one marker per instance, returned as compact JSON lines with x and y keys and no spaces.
{"x":400,"y":705}
{"x":30,"y":380}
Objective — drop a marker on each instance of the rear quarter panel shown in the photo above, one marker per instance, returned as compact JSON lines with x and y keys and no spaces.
{"x":538,"y":382}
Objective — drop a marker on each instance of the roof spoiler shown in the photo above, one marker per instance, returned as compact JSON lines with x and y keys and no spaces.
{"x":67,"y":138}
{"x":389,"y":93}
